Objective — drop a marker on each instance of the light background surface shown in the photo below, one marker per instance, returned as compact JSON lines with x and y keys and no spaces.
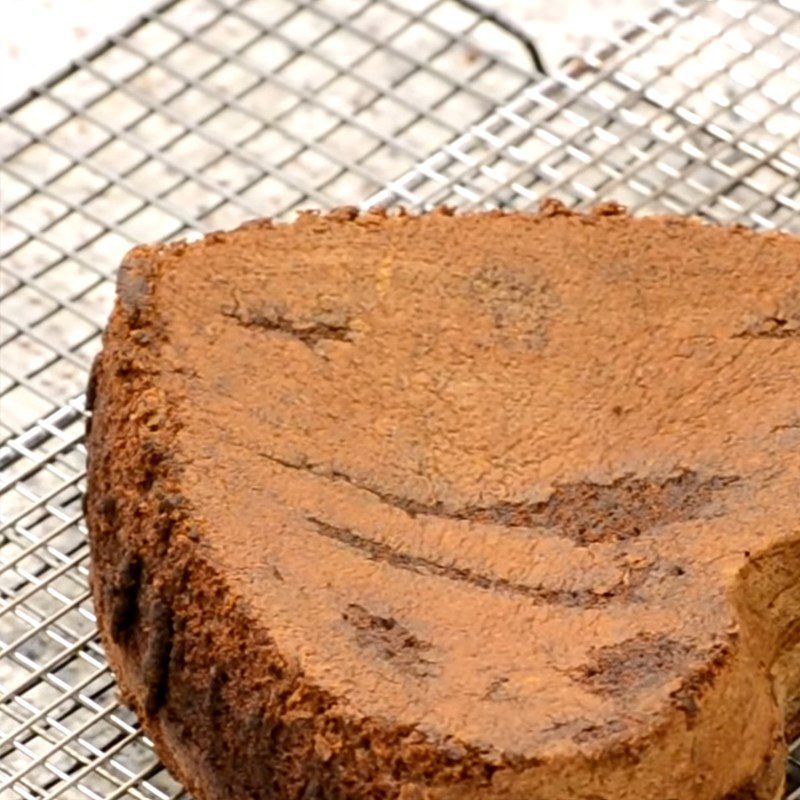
{"x":37,"y":37}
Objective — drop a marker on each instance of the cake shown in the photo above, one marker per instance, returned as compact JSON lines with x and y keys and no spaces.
{"x":482,"y":506}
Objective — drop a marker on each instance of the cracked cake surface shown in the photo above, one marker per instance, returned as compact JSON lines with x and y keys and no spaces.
{"x":493,"y":505}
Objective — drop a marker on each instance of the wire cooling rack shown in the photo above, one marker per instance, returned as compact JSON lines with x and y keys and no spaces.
{"x":203,"y":112}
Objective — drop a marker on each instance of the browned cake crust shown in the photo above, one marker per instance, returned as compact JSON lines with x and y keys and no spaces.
{"x":482,"y":506}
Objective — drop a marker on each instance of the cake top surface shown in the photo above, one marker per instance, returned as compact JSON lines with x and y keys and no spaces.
{"x":491,"y":476}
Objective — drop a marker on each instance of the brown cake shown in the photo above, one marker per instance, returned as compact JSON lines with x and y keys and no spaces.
{"x":481,"y":506}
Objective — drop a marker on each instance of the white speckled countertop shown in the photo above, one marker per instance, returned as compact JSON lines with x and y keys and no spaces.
{"x":39,"y":36}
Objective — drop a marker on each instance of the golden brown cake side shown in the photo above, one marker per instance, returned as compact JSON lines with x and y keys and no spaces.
{"x":493,"y":506}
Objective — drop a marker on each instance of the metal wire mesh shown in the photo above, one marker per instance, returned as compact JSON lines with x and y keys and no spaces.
{"x":204,"y":112}
{"x":699,"y":114}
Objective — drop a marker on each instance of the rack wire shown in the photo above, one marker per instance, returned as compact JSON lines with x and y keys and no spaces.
{"x":204,"y":112}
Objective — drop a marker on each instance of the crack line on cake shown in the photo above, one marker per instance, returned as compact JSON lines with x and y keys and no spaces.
{"x":390,"y":641}
{"x":381,"y":552}
{"x":780,"y":326}
{"x":413,"y":508}
{"x":308,"y":331}
{"x":584,"y":512}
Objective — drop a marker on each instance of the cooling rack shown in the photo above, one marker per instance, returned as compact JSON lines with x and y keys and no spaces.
{"x":204,"y":112}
